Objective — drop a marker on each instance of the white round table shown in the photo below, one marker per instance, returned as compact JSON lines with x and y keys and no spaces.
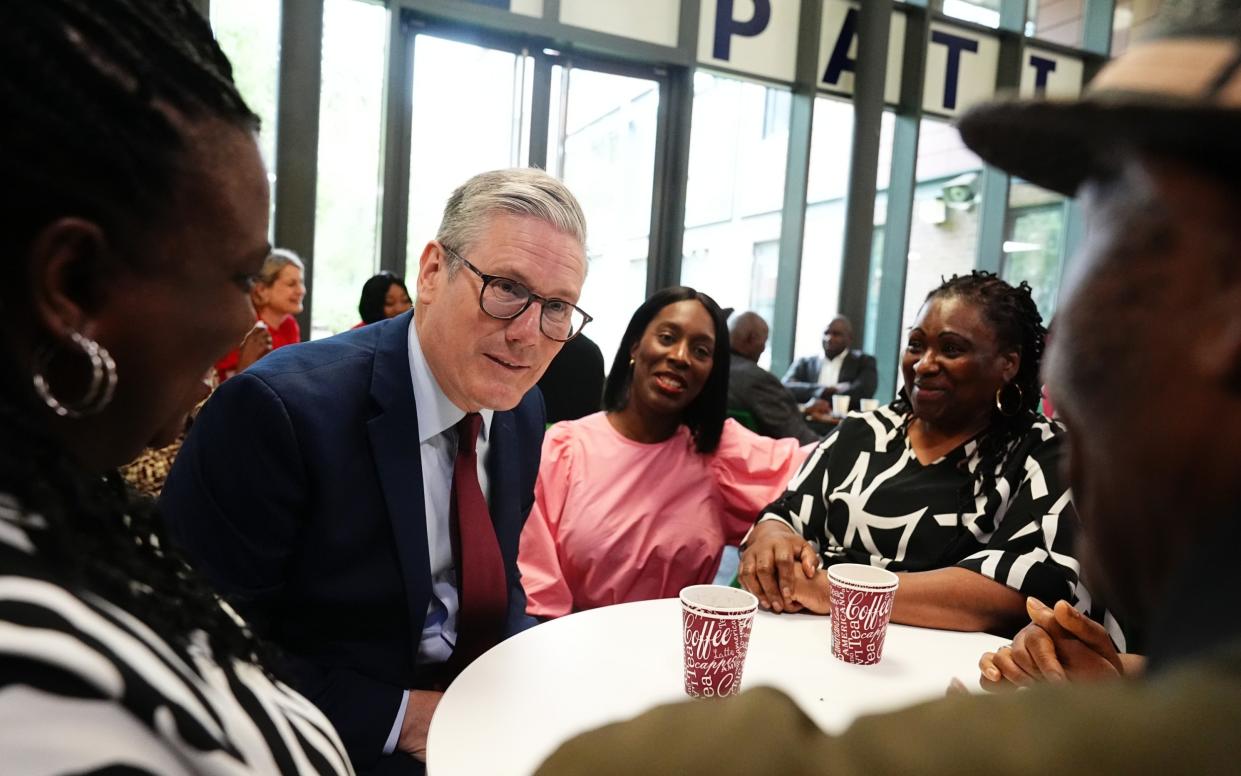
{"x":514,"y":705}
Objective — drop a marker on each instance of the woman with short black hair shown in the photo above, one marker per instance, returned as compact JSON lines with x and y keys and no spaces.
{"x":383,"y":296}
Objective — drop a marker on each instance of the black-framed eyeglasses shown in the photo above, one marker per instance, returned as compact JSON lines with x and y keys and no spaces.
{"x":505,"y":298}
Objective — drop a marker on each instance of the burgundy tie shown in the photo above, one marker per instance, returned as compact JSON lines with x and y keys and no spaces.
{"x":482,"y":587}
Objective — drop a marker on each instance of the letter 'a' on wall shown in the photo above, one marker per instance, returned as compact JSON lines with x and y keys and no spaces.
{"x":838,"y":42}
{"x":1048,"y":74}
{"x":758,"y":37}
{"x":961,"y":68}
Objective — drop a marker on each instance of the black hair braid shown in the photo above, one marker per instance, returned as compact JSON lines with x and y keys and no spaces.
{"x":1015,"y":318}
{"x":103,"y":537}
{"x":95,"y":93}
{"x":87,"y":86}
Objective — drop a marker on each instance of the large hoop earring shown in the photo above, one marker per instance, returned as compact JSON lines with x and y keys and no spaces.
{"x":999,"y":399}
{"x":102,"y":381}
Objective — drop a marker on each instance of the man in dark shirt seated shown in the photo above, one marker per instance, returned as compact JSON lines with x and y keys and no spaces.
{"x":756,"y":391}
{"x":839,"y":371}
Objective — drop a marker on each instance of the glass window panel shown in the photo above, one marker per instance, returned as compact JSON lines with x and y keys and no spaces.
{"x":985,"y":12}
{"x":1058,"y":21}
{"x":355,"y":37}
{"x":943,"y":237}
{"x":1129,"y":21}
{"x":819,"y":288}
{"x":454,"y":138}
{"x":1034,"y":242}
{"x":883,"y":178}
{"x":738,"y":155}
{"x":604,"y":150}
{"x":249,"y":34}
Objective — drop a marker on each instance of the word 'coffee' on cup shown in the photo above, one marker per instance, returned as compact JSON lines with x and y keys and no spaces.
{"x":715,"y":635}
{"x":861,"y":604}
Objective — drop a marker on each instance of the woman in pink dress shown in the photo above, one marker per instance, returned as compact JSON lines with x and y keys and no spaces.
{"x":638,"y":501}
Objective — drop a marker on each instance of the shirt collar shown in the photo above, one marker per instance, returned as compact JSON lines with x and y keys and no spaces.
{"x":839,"y":359}
{"x":436,"y":412}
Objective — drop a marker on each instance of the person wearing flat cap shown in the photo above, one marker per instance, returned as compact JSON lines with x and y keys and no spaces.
{"x":1151,"y":316}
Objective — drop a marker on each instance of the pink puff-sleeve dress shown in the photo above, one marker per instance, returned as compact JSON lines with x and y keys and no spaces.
{"x":616,"y":520}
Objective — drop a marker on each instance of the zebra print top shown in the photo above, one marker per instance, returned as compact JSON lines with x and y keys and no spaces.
{"x":85,"y":686}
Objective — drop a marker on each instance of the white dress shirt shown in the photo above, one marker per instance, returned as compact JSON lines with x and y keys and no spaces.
{"x":437,"y":445}
{"x":829,"y":373}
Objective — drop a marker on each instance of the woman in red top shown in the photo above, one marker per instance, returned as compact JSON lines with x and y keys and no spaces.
{"x":277,"y":295}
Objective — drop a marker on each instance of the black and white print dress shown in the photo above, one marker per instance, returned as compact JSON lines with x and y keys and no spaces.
{"x":863,"y":497}
{"x":85,"y":687}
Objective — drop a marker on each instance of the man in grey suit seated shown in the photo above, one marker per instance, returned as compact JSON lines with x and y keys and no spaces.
{"x":839,"y":371}
{"x":756,"y":391}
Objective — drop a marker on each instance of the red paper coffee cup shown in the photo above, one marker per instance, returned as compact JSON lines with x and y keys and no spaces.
{"x":715,"y":629}
{"x":861,"y":607}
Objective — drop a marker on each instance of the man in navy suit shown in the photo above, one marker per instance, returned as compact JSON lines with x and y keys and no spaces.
{"x":838,"y":372}
{"x":318,"y":490}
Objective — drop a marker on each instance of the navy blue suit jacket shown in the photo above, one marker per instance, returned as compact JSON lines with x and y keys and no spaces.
{"x":298,"y":493}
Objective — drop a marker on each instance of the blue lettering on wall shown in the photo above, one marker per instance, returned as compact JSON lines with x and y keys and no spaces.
{"x":839,"y":61}
{"x":726,"y":26}
{"x":956,"y":44}
{"x":1042,"y":67}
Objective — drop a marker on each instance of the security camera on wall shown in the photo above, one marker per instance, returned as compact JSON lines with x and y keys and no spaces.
{"x":961,"y":193}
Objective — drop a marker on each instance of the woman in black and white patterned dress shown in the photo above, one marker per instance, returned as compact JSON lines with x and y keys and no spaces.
{"x":137,"y":218}
{"x":956,"y":486}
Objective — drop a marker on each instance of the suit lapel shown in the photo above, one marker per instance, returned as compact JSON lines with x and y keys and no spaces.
{"x":816,"y":369}
{"x":848,"y":368}
{"x":394,"y":441}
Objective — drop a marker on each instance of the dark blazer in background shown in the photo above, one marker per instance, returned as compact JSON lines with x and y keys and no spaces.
{"x":298,"y":493}
{"x":572,"y":386}
{"x":758,"y":392}
{"x":858,"y":370}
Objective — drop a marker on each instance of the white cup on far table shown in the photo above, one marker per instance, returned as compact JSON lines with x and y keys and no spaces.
{"x":840,"y":406}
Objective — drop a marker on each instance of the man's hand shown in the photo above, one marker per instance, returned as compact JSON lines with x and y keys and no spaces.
{"x":816,"y":407}
{"x":768,"y":561}
{"x":418,"y":712}
{"x":1060,"y":644}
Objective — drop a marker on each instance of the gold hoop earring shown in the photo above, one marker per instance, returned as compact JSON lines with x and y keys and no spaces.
{"x":999,"y":399}
{"x":102,"y":382}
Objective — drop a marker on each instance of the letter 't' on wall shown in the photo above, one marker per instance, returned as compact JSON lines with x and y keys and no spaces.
{"x":961,"y":69}
{"x":1049,"y":74}
{"x":758,"y":37}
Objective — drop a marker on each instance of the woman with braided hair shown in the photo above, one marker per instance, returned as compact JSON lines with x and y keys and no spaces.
{"x":956,"y":485}
{"x":138,"y":223}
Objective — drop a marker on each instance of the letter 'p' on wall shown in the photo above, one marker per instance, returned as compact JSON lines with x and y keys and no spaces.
{"x":750,"y":36}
